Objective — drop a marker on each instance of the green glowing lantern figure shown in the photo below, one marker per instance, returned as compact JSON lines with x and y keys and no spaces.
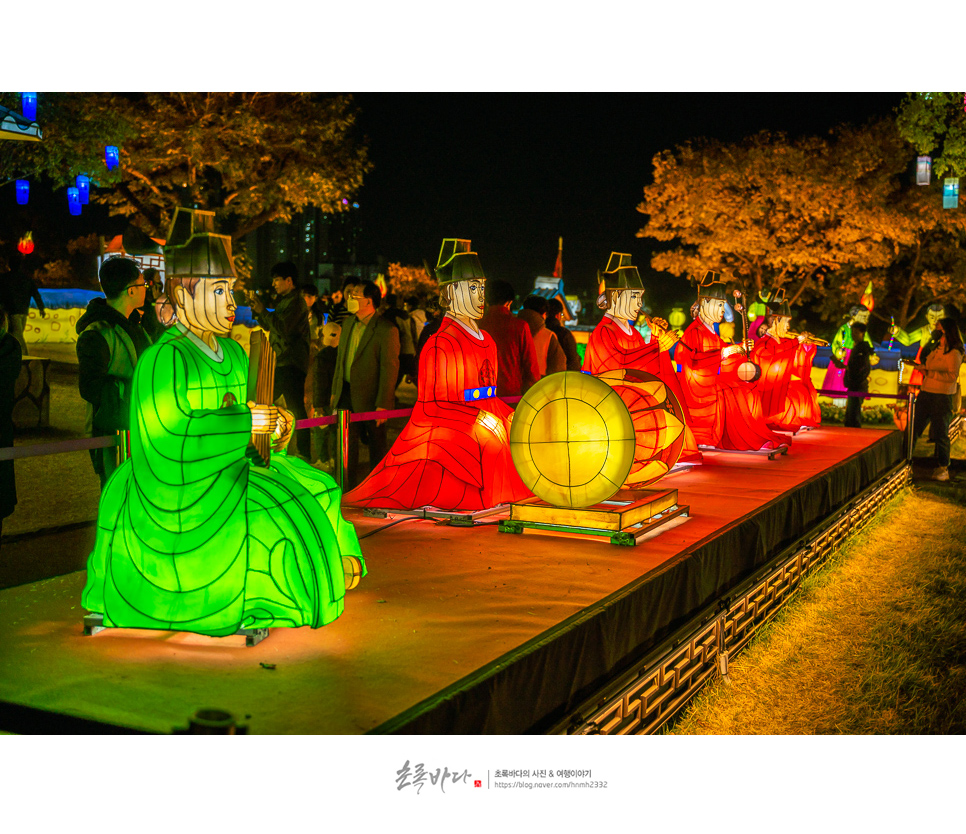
{"x":192,"y":535}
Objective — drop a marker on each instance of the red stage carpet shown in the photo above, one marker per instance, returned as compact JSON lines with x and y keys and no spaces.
{"x":454,"y":629}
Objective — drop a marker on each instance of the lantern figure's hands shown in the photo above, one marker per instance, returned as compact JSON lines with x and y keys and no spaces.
{"x":283,"y":429}
{"x":264,"y":418}
{"x":658,"y":324}
{"x":383,"y":420}
{"x":873,"y":359}
{"x":802,"y":337}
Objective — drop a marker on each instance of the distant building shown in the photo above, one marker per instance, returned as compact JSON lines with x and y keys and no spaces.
{"x":324,"y":247}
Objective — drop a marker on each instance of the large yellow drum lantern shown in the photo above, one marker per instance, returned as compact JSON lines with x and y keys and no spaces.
{"x":572,"y":440}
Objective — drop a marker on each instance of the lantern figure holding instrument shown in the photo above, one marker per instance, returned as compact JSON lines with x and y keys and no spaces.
{"x":615,"y":346}
{"x":842,"y":345}
{"x":454,"y":453}
{"x":725,"y":409}
{"x":575,"y":444}
{"x":788,"y":398}
{"x":196,"y":531}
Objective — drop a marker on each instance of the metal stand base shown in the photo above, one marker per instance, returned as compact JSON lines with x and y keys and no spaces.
{"x":457,"y":519}
{"x":94,"y":623}
{"x":623,"y":522}
{"x":771,"y":454}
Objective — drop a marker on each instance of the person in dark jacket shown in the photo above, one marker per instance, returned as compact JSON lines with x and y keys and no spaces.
{"x":516,"y":366}
{"x":288,"y":328}
{"x":110,"y":340}
{"x":9,"y":371}
{"x":564,"y":336}
{"x":149,"y":313}
{"x":856,"y":378}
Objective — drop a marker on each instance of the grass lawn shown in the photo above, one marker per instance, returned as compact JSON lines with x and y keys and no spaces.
{"x":875,"y":642}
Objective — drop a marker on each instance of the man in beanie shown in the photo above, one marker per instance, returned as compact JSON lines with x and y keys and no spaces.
{"x":110,"y":340}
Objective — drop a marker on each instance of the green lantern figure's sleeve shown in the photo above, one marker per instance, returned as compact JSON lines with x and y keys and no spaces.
{"x":190,"y":535}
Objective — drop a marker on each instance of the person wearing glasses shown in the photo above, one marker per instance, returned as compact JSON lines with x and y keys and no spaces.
{"x":110,"y":340}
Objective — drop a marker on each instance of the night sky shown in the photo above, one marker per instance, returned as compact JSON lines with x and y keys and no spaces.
{"x":513,"y":172}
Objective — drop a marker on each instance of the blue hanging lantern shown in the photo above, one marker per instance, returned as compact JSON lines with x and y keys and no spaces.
{"x":28,"y":106}
{"x":83,"y":183}
{"x":112,"y":157}
{"x":23,"y":192}
{"x":951,"y":193}
{"x":74,"y":201}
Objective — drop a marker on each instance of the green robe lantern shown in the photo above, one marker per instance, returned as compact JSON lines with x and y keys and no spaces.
{"x":192,"y":535}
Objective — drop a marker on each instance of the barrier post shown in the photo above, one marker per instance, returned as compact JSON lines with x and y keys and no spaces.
{"x":910,"y":423}
{"x":341,"y":446}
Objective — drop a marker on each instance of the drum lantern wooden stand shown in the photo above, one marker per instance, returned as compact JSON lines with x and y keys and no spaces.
{"x":625,"y":518}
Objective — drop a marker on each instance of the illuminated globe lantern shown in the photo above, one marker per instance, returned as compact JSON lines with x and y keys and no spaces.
{"x":572,"y":440}
{"x":677,"y":319}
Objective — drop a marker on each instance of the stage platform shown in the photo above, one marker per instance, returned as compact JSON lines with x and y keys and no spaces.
{"x":455,"y":630}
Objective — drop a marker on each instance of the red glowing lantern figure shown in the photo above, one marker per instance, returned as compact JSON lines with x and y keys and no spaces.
{"x":23,"y":192}
{"x":725,"y":409}
{"x":788,"y":399}
{"x":454,"y":453}
{"x":26,"y":243}
{"x":74,"y":201}
{"x":616,"y":346}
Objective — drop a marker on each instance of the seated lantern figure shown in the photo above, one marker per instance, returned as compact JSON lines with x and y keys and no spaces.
{"x":192,"y":535}
{"x":454,"y":453}
{"x":725,"y":408}
{"x":788,"y":398}
{"x":615,"y":345}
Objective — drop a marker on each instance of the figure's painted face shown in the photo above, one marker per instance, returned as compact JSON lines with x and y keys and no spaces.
{"x":862,"y":317}
{"x":712,"y":310}
{"x":933,"y":317}
{"x":466,"y":298}
{"x":212,"y":307}
{"x":780,"y":325}
{"x":627,"y":304}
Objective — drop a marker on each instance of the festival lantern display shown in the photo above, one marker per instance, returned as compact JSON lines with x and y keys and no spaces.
{"x":23,"y":192}
{"x":195,"y":532}
{"x":718,"y":380}
{"x":83,"y":183}
{"x":951,"y":193}
{"x":74,"y":201}
{"x":572,"y":440}
{"x":112,"y":157}
{"x":788,"y":398}
{"x":454,"y":453}
{"x":26,"y":243}
{"x":923,"y":170}
{"x":615,"y":346}
{"x":575,"y":443}
{"x":28,"y":106}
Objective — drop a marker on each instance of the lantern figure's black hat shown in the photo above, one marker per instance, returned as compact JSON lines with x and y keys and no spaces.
{"x":777,"y":304}
{"x":457,"y":263}
{"x":711,"y":286}
{"x":193,"y":250}
{"x":619,"y":274}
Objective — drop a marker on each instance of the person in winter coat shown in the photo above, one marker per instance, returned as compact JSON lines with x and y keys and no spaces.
{"x":110,"y":340}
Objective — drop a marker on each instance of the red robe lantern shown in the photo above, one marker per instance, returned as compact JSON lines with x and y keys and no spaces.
{"x":454,"y":453}
{"x":726,"y":410}
{"x":788,"y":399}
